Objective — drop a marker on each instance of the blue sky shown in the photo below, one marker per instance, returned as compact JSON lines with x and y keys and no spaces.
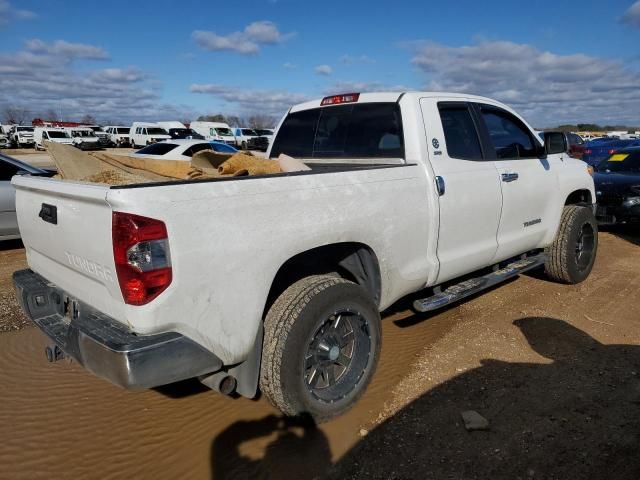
{"x":553,"y":61}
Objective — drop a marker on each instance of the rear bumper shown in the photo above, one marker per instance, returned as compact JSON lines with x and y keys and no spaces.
{"x":106,"y":347}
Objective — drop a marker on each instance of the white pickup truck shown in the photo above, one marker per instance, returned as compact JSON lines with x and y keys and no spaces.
{"x":277,"y":281}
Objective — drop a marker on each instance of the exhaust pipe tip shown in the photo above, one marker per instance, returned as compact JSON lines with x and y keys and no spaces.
{"x":220,"y":382}
{"x":53,"y":353}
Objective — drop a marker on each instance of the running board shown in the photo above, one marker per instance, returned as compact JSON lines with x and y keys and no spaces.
{"x":474,"y":285}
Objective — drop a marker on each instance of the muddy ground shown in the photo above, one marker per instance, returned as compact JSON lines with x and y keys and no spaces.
{"x":554,"y":369}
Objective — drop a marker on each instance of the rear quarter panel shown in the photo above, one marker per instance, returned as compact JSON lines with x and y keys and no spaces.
{"x":229,"y":238}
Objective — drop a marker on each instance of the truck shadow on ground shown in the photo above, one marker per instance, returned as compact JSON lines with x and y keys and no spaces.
{"x":576,"y":416}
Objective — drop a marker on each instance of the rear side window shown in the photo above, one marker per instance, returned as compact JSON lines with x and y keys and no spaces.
{"x":460,"y":132}
{"x":7,"y":170}
{"x":367,"y":130}
{"x":189,"y":152}
{"x":509,"y":136}
{"x":157,"y":148}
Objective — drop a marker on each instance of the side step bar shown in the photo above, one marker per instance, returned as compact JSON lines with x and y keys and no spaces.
{"x":474,"y":285}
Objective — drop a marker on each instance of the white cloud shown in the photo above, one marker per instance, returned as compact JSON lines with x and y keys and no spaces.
{"x":545,"y":87}
{"x":48,"y":81}
{"x":352,"y":60}
{"x":632,"y":15}
{"x":248,"y":101}
{"x":9,"y":13}
{"x":361,"y":87}
{"x":246,"y":42}
{"x":324,"y":70}
{"x":67,"y":49}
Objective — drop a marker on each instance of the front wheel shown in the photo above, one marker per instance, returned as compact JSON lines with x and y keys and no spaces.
{"x":321,"y":346}
{"x":572,"y":254}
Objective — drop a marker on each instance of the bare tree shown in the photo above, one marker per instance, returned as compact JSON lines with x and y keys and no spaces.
{"x":212,"y":118}
{"x":88,"y":120}
{"x":234,"y":121}
{"x":15,"y":115}
{"x":261,"y":121}
{"x":51,"y":115}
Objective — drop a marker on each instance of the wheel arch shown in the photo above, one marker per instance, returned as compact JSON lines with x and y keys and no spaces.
{"x":579,"y":197}
{"x":351,"y":260}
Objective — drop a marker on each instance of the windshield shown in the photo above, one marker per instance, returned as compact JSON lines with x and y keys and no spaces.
{"x":123,"y":130}
{"x":263,"y":132}
{"x":224,"y":131}
{"x":24,"y":129}
{"x":82,"y":133}
{"x":157,"y":148}
{"x":621,"y":162}
{"x":367,"y":130}
{"x":57,"y":134}
{"x":156,"y":131}
{"x":248,"y":132}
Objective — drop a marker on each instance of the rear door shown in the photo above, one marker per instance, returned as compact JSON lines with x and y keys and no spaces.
{"x":470,"y":198}
{"x":528,"y":181}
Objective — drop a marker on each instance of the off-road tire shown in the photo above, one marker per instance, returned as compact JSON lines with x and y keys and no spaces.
{"x":294,"y":322}
{"x":562,"y":263}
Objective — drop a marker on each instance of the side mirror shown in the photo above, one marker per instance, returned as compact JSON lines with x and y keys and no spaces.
{"x":554,"y":142}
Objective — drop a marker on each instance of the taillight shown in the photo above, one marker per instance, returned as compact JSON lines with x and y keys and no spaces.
{"x":337,"y":99}
{"x":142,"y":258}
{"x":612,"y":151}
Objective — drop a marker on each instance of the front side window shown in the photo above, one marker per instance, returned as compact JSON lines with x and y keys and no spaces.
{"x":511,"y":139}
{"x":224,"y":131}
{"x":156,"y":131}
{"x":367,"y":130}
{"x":460,"y":132}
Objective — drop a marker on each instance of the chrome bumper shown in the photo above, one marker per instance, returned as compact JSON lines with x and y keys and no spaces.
{"x":106,"y":347}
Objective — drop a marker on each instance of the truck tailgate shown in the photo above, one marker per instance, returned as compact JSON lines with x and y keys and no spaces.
{"x":66,"y":231}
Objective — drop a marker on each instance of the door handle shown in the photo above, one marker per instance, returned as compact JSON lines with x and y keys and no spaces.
{"x":440,"y":185}
{"x":509,"y":177}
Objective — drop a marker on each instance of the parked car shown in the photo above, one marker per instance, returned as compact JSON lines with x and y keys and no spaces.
{"x":245,"y":138}
{"x":215,"y":131}
{"x":597,"y":150}
{"x":118,"y":135}
{"x":22,"y":136}
{"x":279,"y":280}
{"x":617,"y":182}
{"x":51,"y":134}
{"x":181,"y":149}
{"x":98,"y":131}
{"x":9,"y":167}
{"x":142,"y":134}
{"x":84,"y":138}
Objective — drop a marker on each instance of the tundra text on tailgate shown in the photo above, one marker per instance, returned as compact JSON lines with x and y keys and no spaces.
{"x":277,"y":281}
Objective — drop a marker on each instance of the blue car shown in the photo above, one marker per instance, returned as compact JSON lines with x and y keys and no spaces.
{"x":617,"y":183}
{"x":597,"y":150}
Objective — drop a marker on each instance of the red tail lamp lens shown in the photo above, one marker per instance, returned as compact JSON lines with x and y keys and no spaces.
{"x":142,"y":257}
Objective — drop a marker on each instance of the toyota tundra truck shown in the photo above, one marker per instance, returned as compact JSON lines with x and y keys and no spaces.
{"x":276,"y":282}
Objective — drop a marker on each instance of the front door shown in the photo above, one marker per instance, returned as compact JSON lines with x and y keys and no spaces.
{"x":470,"y":199}
{"x":528,"y":180}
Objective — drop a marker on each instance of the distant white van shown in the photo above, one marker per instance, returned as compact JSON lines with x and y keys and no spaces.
{"x":142,"y":134}
{"x":51,"y":134}
{"x":215,"y":131}
{"x":118,"y":135}
{"x":172,"y":124}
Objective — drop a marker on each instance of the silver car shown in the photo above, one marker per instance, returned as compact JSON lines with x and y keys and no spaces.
{"x":8,"y":168}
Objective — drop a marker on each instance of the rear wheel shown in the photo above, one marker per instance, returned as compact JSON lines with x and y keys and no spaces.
{"x":321,"y":346}
{"x":573,"y":252}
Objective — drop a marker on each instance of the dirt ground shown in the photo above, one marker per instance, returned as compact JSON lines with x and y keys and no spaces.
{"x":554,"y":369}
